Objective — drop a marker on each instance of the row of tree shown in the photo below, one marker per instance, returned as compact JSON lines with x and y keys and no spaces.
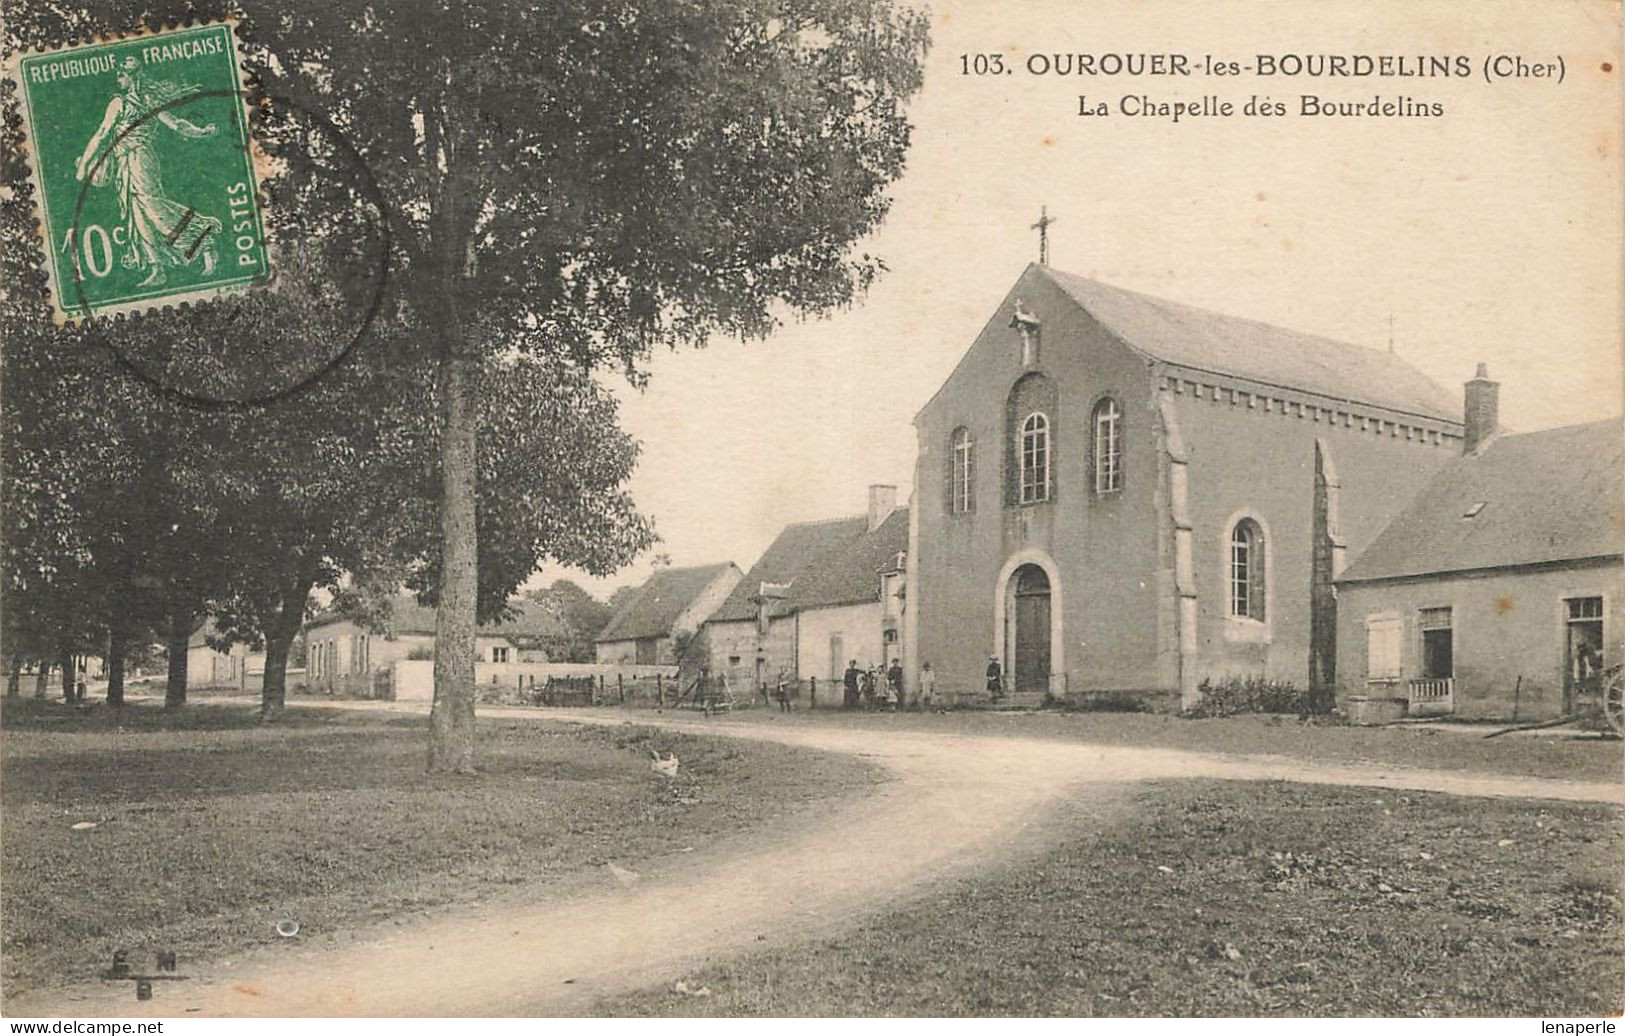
{"x":556,"y":189}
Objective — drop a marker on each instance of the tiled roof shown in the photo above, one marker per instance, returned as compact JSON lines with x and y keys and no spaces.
{"x":660,"y":600}
{"x":819,"y":565}
{"x":1198,"y":339}
{"x":1539,"y":497}
{"x":408,"y":618}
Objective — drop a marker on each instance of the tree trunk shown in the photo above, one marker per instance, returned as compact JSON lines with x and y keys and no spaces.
{"x":117,"y":643}
{"x":451,"y":718}
{"x":280,"y":629}
{"x":42,"y":679}
{"x":181,"y":621}
{"x":64,"y":660}
{"x":14,"y":678}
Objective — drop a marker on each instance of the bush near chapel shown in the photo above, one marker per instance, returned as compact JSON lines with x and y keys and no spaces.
{"x":1236,"y":694}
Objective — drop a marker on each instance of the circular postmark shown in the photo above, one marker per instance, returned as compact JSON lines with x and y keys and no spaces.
{"x":329,"y":250}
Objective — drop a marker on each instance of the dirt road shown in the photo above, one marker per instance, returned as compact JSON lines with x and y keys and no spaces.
{"x":956,"y":802}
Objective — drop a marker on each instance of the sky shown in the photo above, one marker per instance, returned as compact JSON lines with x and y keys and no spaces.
{"x":1490,"y":234}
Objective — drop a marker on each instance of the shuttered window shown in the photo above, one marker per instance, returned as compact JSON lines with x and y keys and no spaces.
{"x":1383,"y":636}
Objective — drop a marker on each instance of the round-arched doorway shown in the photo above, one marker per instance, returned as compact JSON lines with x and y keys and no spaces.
{"x":1028,"y":619}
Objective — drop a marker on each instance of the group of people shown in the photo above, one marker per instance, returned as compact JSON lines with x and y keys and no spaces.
{"x":875,"y":688}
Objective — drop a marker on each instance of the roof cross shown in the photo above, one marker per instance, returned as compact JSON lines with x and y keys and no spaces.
{"x":1042,"y":226}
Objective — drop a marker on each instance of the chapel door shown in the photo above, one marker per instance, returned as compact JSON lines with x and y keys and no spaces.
{"x":1032,"y":660}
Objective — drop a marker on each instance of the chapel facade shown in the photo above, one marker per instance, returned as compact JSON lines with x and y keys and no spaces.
{"x":1119,"y":493}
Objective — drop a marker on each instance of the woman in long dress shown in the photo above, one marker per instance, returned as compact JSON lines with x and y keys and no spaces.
{"x":160,"y":232}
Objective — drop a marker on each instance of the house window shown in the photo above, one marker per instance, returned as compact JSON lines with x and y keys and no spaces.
{"x":1382,"y":643}
{"x":959,"y":501}
{"x":1108,"y":447}
{"x":499,"y":654}
{"x":1438,"y":647}
{"x":1247,"y":570}
{"x":1035,"y":459}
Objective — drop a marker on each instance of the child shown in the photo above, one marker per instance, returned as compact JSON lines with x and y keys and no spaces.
{"x":928,"y":686}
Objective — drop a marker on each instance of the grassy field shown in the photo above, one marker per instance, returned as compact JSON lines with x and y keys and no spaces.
{"x":1217,"y":899}
{"x":1567,"y":755}
{"x":210,"y":828}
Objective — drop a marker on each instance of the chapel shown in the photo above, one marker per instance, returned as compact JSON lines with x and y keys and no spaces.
{"x":1116,"y":492}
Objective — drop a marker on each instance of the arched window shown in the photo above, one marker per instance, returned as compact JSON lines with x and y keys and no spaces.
{"x":1247,"y":570}
{"x":963,"y":473}
{"x":1035,"y":459}
{"x":1108,"y":447}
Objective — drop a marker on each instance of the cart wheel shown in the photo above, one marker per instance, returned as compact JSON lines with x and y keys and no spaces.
{"x":1613,"y":703}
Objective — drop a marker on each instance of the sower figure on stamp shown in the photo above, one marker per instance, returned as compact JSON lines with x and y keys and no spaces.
{"x":160,"y":231}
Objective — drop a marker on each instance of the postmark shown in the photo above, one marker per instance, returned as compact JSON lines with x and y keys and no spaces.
{"x":143,"y":170}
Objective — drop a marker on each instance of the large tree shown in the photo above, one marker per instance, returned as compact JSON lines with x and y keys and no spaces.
{"x":588,"y":181}
{"x":574,"y":185}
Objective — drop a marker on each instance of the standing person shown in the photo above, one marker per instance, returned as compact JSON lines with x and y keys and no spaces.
{"x":995,"y":678}
{"x":782,"y":692}
{"x":868,"y":689}
{"x":852,"y":679}
{"x":894,"y":683}
{"x":928,"y":686}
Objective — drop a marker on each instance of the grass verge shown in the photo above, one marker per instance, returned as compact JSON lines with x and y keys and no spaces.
{"x":211,"y":828}
{"x":1228,"y":899}
{"x":1585,"y":757}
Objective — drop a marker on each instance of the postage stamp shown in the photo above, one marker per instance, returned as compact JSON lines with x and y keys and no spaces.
{"x":140,"y":155}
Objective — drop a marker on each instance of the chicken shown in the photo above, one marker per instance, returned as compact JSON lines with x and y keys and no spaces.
{"x":666,"y":766}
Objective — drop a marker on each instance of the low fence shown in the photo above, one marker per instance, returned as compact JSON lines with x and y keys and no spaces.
{"x":558,"y":682}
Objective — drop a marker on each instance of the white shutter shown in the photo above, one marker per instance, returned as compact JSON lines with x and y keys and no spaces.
{"x":1382,"y":639}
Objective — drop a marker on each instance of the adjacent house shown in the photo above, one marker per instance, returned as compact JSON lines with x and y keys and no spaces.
{"x":1499,"y":590}
{"x":823,"y":594}
{"x":1122,"y":493}
{"x":345,"y":656}
{"x":673,"y":603}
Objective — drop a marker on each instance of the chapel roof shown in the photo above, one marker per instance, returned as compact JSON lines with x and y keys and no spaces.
{"x":1199,"y":339}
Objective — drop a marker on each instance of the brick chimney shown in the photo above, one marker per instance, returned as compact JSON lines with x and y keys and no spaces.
{"x":882,"y":502}
{"x":1482,"y":412}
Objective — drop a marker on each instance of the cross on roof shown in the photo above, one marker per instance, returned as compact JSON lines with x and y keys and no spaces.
{"x":1042,"y":226}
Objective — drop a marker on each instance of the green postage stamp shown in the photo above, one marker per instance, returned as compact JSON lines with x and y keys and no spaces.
{"x":143,"y":171}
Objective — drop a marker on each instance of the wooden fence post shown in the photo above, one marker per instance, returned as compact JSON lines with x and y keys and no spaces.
{"x":812,"y":692}
{"x":620,"y":687}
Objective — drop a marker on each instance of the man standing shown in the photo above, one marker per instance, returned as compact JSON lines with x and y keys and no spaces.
{"x":894,"y":682}
{"x":995,"y":678}
{"x":928,"y":686}
{"x":851,"y":701}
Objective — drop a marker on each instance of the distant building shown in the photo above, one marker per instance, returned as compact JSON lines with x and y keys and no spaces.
{"x":1499,"y":589}
{"x":824,"y":594}
{"x":343,"y":655}
{"x":673,"y":602}
{"x":208,"y":667}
